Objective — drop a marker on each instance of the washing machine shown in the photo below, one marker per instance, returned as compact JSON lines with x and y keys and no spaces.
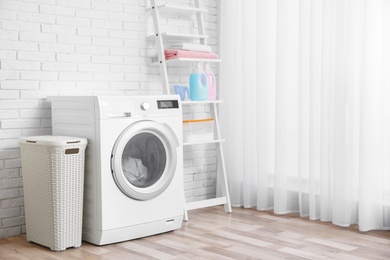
{"x":134,"y":163}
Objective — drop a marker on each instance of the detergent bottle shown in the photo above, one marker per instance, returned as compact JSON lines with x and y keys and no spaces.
{"x":211,"y":84}
{"x":198,"y":83}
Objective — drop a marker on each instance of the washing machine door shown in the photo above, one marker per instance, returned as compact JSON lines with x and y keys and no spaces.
{"x":143,"y":160}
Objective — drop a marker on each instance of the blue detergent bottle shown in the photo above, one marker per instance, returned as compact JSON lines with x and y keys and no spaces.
{"x":198,"y":83}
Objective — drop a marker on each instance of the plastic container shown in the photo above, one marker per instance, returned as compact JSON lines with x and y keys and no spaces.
{"x":198,"y":84}
{"x":53,"y":182}
{"x":211,"y":83}
{"x":198,"y":130}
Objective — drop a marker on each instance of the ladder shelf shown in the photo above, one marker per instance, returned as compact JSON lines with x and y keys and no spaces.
{"x":159,"y":36}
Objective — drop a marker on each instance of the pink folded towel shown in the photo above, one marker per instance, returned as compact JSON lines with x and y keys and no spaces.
{"x":177,"y":53}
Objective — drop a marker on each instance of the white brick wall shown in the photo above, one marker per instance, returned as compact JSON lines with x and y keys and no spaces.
{"x":88,"y":47}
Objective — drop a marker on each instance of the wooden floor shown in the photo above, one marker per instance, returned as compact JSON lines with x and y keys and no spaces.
{"x":213,"y":234}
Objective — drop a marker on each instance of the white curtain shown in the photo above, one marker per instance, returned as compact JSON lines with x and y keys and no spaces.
{"x":306,"y":112}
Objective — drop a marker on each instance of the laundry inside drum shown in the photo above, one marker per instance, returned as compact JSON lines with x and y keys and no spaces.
{"x":144,"y":160}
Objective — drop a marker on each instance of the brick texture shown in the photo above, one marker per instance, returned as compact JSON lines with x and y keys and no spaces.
{"x":88,"y":47}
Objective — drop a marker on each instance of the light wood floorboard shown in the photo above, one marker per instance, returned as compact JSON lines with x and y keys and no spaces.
{"x":213,"y":234}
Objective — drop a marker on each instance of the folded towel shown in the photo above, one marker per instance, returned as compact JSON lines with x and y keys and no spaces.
{"x":190,"y":47}
{"x":176,"y":53}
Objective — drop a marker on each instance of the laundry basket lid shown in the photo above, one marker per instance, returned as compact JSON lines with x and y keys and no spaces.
{"x":51,"y":140}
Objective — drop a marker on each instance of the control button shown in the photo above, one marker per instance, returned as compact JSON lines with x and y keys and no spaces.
{"x":144,"y":106}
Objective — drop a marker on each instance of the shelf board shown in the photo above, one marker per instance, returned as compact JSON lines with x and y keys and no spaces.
{"x":170,"y":8}
{"x":191,"y":60}
{"x":206,"y":203}
{"x":191,"y":102}
{"x":181,"y":61}
{"x":205,"y":142}
{"x":180,"y":36}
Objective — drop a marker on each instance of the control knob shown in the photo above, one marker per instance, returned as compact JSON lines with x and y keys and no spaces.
{"x":144,"y":106}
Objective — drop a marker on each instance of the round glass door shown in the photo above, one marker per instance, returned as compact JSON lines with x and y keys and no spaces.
{"x":143,"y":160}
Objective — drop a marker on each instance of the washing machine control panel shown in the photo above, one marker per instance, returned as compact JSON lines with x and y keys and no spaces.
{"x":145,"y":106}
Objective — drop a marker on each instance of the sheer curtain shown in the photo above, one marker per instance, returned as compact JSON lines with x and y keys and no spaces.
{"x":306,"y":112}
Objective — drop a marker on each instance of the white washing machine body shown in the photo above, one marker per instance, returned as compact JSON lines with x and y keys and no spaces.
{"x":134,"y":163}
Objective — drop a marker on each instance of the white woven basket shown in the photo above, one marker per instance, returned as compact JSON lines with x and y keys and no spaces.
{"x":53,"y":180}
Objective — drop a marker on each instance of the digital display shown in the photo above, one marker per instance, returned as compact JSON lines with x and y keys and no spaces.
{"x":167,"y":104}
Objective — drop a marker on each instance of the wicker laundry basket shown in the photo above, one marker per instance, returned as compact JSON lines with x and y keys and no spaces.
{"x":53,"y":180}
